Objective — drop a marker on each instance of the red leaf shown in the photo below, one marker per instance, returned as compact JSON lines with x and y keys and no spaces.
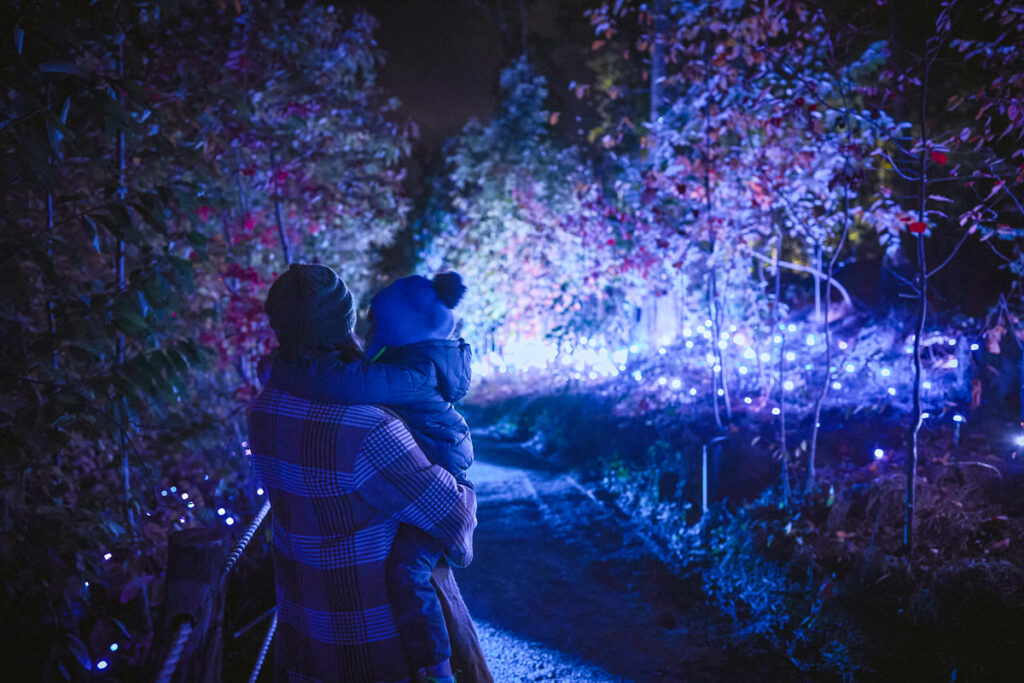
{"x":917,"y":227}
{"x":939,"y":158}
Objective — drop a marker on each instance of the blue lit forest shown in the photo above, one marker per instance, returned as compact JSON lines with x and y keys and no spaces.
{"x":745,"y":297}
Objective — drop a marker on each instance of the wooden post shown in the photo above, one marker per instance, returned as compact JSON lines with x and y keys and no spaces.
{"x":195,"y":558}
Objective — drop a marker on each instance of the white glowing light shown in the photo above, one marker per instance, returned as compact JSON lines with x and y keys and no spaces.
{"x":700,"y":329}
{"x":811,"y":340}
{"x":221,"y":511}
{"x":743,"y":369}
{"x":592,"y":375}
{"x":259,"y":492}
{"x":788,"y":385}
{"x":721,"y":392}
{"x":164,"y":492}
{"x":687,"y":332}
{"x":633,"y":348}
{"x":954,"y":363}
{"x":174,"y":489}
{"x":723,"y":344}
{"x":637,"y":375}
{"x":689,"y":343}
{"x":229,"y":521}
{"x":749,"y":353}
{"x":709,"y":357}
{"x":620,"y":356}
{"x":693,"y":391}
{"x":677,"y":384}
{"x":886,"y":372}
{"x":908,"y":349}
{"x":113,"y":647}
{"x":739,"y":339}
{"x":184,"y":496}
{"x":925,"y":415}
{"x":843,"y":345}
{"x":850,"y":367}
{"x":790,"y":356}
{"x":577,"y":375}
{"x":958,"y":418}
{"x":952,"y":342}
{"x":191,"y":504}
{"x":662,"y":381}
{"x":808,"y":366}
{"x":707,"y":323}
{"x":777,"y":339}
{"x":926,"y":385}
{"x":102,"y":664}
{"x":717,"y":368}
{"x":748,"y":400}
{"x":974,"y":347}
{"x":662,"y":351}
{"x":837,"y":385}
{"x":86,"y":584}
{"x":107,"y":556}
{"x":732,"y":328}
{"x":791,"y":327}
{"x":776,"y":411}
{"x":765,"y":357}
{"x":879,"y":454}
{"x":181,"y":520}
{"x":892,"y":391}
{"x":1019,"y":440}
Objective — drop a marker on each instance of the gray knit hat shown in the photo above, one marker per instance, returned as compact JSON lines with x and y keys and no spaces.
{"x":309,"y":305}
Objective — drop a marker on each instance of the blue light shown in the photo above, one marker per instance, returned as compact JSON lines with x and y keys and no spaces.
{"x":174,"y":489}
{"x":113,"y":647}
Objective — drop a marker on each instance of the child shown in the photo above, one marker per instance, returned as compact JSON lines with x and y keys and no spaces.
{"x":415,"y":367}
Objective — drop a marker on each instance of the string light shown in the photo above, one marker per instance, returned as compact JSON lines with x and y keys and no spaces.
{"x":662,"y":381}
{"x":958,"y":418}
{"x":776,"y":411}
{"x":974,"y":347}
{"x":886,"y":372}
{"x":259,"y":491}
{"x":747,"y":400}
{"x":879,"y":454}
{"x":107,"y":556}
{"x":677,"y":384}
{"x":229,"y":521}
{"x":788,"y":385}
{"x":113,"y":647}
{"x":102,"y":664}
{"x":892,"y":391}
{"x":850,"y":367}
{"x":790,"y":356}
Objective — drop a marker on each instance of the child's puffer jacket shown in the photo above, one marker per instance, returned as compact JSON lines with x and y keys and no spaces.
{"x":419,"y":381}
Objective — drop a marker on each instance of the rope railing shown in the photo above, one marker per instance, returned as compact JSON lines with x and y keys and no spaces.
{"x":243,"y":541}
{"x":174,"y":655}
{"x":269,"y":638}
{"x":219,"y":583}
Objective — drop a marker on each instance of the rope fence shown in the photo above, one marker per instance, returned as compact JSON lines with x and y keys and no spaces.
{"x":171,"y":663}
{"x":218,"y":587}
{"x":269,"y":638}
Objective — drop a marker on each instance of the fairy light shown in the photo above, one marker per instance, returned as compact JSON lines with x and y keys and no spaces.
{"x":788,"y":385}
{"x":958,"y":418}
{"x":743,"y":369}
{"x":662,"y":381}
{"x":1019,"y":440}
{"x":879,"y":454}
{"x":926,"y":385}
{"x":850,"y":367}
{"x":721,"y":392}
{"x":637,"y":375}
{"x":776,"y":411}
{"x":259,"y":491}
{"x":184,"y":496}
{"x":952,"y":342}
{"x":633,"y":348}
{"x":662,"y":351}
{"x":689,"y":343}
{"x":739,"y":339}
{"x":974,"y":347}
{"x":164,"y":492}
{"x":765,"y":356}
{"x":885,"y":372}
{"x":811,"y":340}
{"x":174,"y":489}
{"x":790,"y":356}
{"x":748,"y":400}
{"x":723,"y":344}
{"x":113,"y":647}
{"x":717,"y":368}
{"x":221,"y":512}
{"x":891,"y":391}
{"x":843,"y":345}
{"x":107,"y":556}
{"x":777,"y":339}
{"x":191,"y":504}
{"x":954,"y":363}
{"x":693,"y":391}
{"x":837,"y":385}
{"x":229,"y":521}
{"x":677,"y":384}
{"x":102,"y":664}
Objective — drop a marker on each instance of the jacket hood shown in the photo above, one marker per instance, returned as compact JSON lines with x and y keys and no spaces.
{"x":451,"y":359}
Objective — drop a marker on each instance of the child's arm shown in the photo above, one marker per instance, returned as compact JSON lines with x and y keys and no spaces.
{"x":329,"y":380}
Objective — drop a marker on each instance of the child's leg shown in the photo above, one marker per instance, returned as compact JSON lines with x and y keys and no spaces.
{"x":414,"y":602}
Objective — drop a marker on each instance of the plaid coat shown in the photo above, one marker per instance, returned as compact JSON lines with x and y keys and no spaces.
{"x":340,"y":480}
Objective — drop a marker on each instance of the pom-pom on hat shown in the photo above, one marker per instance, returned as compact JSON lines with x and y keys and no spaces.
{"x":416,"y":309}
{"x":310,"y":306}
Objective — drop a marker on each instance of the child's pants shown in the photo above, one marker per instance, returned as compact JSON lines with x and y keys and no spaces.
{"x":413,"y":600}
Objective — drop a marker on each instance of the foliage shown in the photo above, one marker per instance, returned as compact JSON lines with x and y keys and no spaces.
{"x":159,"y":160}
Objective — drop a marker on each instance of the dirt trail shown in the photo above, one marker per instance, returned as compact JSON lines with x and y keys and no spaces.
{"x":564,"y":589}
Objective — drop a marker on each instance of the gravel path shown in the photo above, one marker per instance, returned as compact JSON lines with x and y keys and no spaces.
{"x":563,"y":589}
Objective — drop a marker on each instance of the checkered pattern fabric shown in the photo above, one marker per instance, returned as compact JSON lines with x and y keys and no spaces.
{"x":340,"y":480}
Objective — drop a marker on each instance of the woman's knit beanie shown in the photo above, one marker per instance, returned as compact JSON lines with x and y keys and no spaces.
{"x":310,"y":306}
{"x":416,"y":309}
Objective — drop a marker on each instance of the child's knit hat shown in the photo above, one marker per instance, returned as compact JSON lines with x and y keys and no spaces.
{"x":309,"y":305}
{"x":416,"y":309}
